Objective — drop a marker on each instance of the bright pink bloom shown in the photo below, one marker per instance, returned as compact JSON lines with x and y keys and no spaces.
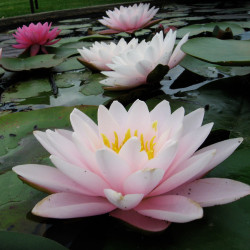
{"x":141,"y":167}
{"x":129,"y":19}
{"x":35,"y":37}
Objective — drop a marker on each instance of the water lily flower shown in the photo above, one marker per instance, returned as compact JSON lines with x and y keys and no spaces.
{"x":142,"y":167}
{"x":100,"y":54}
{"x":1,"y":52}
{"x":129,"y":19}
{"x":132,"y":68}
{"x":35,"y":37}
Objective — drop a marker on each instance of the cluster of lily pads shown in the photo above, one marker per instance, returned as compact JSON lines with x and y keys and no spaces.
{"x":143,"y":167}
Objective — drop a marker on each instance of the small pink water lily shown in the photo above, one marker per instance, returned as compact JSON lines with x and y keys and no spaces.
{"x":139,"y":166}
{"x":100,"y":54}
{"x":131,"y":69}
{"x":129,"y":19}
{"x":35,"y":37}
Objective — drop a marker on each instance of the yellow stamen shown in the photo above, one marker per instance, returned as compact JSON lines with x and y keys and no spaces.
{"x":105,"y":140}
{"x":147,"y":146}
{"x":154,"y":125}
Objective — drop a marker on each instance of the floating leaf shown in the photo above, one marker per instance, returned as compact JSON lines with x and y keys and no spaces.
{"x":212,"y":70}
{"x":223,"y":52}
{"x":29,"y":63}
{"x":92,"y":85}
{"x":26,"y":89}
{"x":14,"y":240}
{"x":196,"y":29}
{"x":14,"y":127}
{"x":69,"y":64}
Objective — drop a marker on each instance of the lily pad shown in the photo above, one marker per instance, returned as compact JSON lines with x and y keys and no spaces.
{"x":16,"y":126}
{"x":65,"y":32}
{"x":15,"y":202}
{"x":211,"y":70}
{"x":26,"y":89}
{"x":219,"y":51}
{"x":69,"y":64}
{"x":10,"y":240}
{"x":92,"y":85}
{"x":29,"y":63}
{"x":62,"y":52}
{"x":196,"y":29}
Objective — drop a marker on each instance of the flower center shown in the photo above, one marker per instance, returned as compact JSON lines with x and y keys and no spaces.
{"x":146,"y":145}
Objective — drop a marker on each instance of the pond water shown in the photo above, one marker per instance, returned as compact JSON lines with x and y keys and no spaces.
{"x":222,"y":90}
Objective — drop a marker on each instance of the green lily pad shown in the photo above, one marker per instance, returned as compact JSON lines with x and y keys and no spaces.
{"x":196,"y":29}
{"x":95,"y":37}
{"x":69,"y":64}
{"x":76,"y":45}
{"x":65,"y":32}
{"x":142,"y":32}
{"x":62,"y":52}
{"x":92,"y":85}
{"x":211,"y":70}
{"x":26,"y":89}
{"x":16,"y":126}
{"x":15,"y":202}
{"x":223,"y":52}
{"x":73,"y":26}
{"x":29,"y":63}
{"x":14,"y":240}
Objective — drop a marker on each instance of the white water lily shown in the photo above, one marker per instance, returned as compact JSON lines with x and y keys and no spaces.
{"x":100,"y":54}
{"x":130,"y":69}
{"x":129,"y":19}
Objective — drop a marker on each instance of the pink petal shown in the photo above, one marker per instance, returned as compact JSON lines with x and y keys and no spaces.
{"x":118,"y":112}
{"x":113,"y":167}
{"x":91,"y":182}
{"x":48,"y":179}
{"x":189,"y":168}
{"x":178,"y":54}
{"x":68,"y":205}
{"x":172,"y":208}
{"x":65,"y":147}
{"x":161,"y":113}
{"x":165,"y":157}
{"x":34,"y":49}
{"x":138,"y":117}
{"x":125,"y":202}
{"x":193,"y":120}
{"x":223,"y":150}
{"x":140,"y":221}
{"x":107,"y":123}
{"x":87,"y":133}
{"x":213,"y":191}
{"x":132,"y":154}
{"x":143,"y":181}
{"x":190,"y":143}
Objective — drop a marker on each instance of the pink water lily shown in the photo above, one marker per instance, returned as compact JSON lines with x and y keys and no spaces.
{"x":99,"y":55}
{"x":131,"y":68}
{"x":129,"y":19}
{"x":35,"y":37}
{"x":142,"y":167}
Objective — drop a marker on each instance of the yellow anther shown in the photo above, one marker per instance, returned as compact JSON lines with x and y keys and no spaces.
{"x":154,"y":125}
{"x":105,"y":140}
{"x":147,"y":146}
